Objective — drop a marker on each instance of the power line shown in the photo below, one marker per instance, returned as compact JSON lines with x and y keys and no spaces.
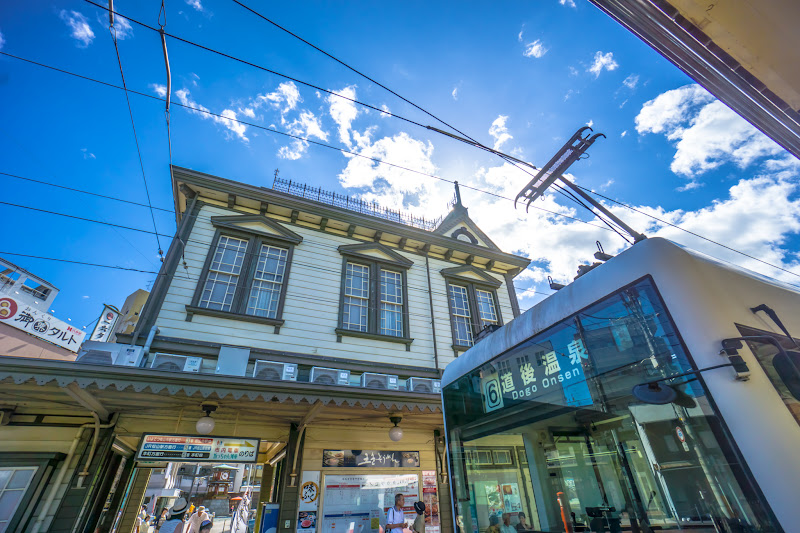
{"x":77,"y":262}
{"x":41,"y":182}
{"x":690,"y":232}
{"x":311,"y":141}
{"x":254,"y":65}
{"x":113,"y":31}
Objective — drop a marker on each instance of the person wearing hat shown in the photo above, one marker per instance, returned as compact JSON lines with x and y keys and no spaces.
{"x":419,"y":521}
{"x":193,"y":526}
{"x":174,"y":523}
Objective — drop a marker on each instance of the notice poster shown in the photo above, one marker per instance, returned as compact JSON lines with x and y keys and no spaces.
{"x":511,"y":499}
{"x":357,"y":503}
{"x":430,"y":498}
{"x":494,"y":500}
{"x":308,"y":502}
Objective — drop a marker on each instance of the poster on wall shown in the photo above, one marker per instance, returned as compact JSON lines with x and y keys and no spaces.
{"x":511,"y":499}
{"x":351,"y":503}
{"x":494,"y":500}
{"x":430,"y":497}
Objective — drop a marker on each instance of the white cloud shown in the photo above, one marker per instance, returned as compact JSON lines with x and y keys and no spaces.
{"x":87,"y":154}
{"x":602,"y":62}
{"x":519,"y":35}
{"x":570,"y":93}
{"x":2,"y":40}
{"x":631,"y":81}
{"x":535,"y":49}
{"x":590,"y":123}
{"x":285,"y":97}
{"x":79,"y":27}
{"x":386,"y":113}
{"x":121,"y":24}
{"x":707,"y":134}
{"x":160,"y":90}
{"x":227,"y":118}
{"x":569,"y":3}
{"x":623,"y":134}
{"x":248,"y":112}
{"x":499,"y":131}
{"x":85,"y":297}
{"x":455,"y":93}
{"x":196,"y":4}
{"x":572,"y":71}
{"x":343,"y":112}
{"x":307,"y":125}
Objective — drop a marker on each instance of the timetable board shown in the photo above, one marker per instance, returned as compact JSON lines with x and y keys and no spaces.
{"x":358,"y":503}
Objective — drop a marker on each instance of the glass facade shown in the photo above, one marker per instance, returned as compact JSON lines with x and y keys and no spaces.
{"x":549,"y":430}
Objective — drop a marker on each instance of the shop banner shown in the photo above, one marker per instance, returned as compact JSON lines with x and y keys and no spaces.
{"x":358,"y":503}
{"x":198,"y":449}
{"x":430,"y":497}
{"x":309,"y":502}
{"x":105,"y":325}
{"x":39,"y":324}
{"x":369,"y":459}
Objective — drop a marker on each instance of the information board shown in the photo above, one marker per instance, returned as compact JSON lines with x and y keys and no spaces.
{"x":32,"y":321}
{"x":358,"y":503}
{"x":198,"y":449}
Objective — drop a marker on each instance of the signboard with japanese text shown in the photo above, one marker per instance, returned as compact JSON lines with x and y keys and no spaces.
{"x":430,"y":497}
{"x":197,"y":448}
{"x":105,"y":325}
{"x":534,"y":371}
{"x":359,"y":503}
{"x":369,"y":458}
{"x":40,"y":324}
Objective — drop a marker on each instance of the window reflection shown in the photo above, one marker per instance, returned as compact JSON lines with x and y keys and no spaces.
{"x":550,"y":430}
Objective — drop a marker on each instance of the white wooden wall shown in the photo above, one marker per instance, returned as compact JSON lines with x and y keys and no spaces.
{"x":311,"y":311}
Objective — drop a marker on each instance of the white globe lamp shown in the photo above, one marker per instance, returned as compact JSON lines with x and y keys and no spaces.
{"x":396,"y":433}
{"x":205,"y":424}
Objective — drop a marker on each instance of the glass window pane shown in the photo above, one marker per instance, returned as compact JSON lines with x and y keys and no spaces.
{"x":265,"y":290}
{"x":459,"y":304}
{"x":5,"y":475}
{"x":223,"y":274}
{"x":356,"y":297}
{"x":9,"y":500}
{"x":486,"y":308}
{"x":597,"y":459}
{"x":391,"y":303}
{"x":21,"y":478}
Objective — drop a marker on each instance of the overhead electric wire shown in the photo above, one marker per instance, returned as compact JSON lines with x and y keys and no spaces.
{"x":311,"y":141}
{"x":255,"y":65}
{"x":41,"y":182}
{"x":690,"y":232}
{"x":84,"y":263}
{"x":113,"y":32}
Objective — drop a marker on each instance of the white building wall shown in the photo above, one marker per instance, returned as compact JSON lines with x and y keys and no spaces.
{"x":311,"y":310}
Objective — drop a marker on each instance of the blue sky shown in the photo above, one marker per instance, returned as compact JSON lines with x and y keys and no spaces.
{"x":519,"y":76}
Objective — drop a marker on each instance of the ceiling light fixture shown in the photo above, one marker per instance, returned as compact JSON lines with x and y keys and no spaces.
{"x":205,"y":424}
{"x":396,"y":433}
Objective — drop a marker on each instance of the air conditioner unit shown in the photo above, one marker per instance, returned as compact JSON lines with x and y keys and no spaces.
{"x":109,"y":353}
{"x":378,"y":381}
{"x":274,"y":371}
{"x":176,"y":363}
{"x":329,"y":376}
{"x":433,"y":386}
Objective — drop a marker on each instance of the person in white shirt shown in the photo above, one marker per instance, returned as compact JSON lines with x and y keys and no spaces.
{"x":395,"y":519}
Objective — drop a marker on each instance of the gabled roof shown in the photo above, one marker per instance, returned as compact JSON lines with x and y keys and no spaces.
{"x":258,"y":224}
{"x":375,"y":251}
{"x":471,"y":274}
{"x":457,"y":222}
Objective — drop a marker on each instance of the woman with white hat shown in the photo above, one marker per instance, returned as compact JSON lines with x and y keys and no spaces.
{"x":176,"y":514}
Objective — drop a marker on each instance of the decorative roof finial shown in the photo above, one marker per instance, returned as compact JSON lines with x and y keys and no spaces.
{"x":458,"y":195}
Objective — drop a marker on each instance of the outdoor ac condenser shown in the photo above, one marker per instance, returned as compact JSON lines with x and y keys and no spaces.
{"x":176,"y":363}
{"x":275,"y":371}
{"x":109,"y":353}
{"x":329,"y":376}
{"x":433,"y":386}
{"x":378,"y":381}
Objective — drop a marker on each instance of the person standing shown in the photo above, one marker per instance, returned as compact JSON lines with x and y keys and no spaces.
{"x":419,"y":521}
{"x":507,"y":527}
{"x":395,"y":519}
{"x":193,"y":526}
{"x":176,"y":515}
{"x":523,"y":525}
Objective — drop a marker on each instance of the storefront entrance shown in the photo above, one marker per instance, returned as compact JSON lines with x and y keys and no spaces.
{"x":550,"y":430}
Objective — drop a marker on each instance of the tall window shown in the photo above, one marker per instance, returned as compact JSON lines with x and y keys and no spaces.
{"x":391,"y":303}
{"x":356,"y":297}
{"x":374,"y":294}
{"x":472,"y":308}
{"x":223,"y":274}
{"x":245,"y":274}
{"x":13,"y":484}
{"x":267,"y":281}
